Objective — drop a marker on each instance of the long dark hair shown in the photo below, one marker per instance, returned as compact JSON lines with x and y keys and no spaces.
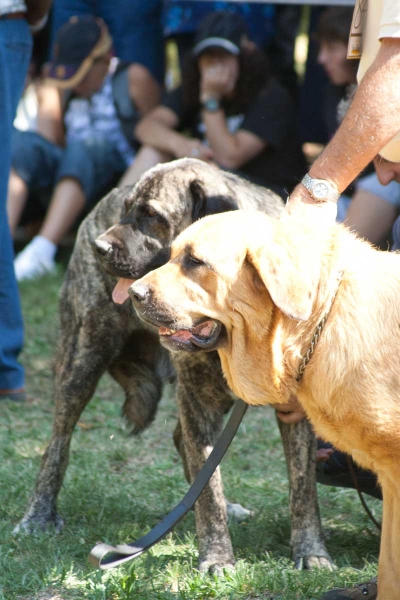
{"x":254,"y":72}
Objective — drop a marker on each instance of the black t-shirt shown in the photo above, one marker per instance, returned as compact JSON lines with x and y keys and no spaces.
{"x":271,"y":117}
{"x":333,"y":95}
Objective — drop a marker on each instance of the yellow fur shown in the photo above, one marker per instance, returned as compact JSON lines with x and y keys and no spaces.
{"x":270,"y":283}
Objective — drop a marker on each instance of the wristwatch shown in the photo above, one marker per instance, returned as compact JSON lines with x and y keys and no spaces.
{"x":320,"y":189}
{"x":211,"y":105}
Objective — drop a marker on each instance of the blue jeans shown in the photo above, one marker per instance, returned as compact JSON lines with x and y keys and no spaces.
{"x":94,"y":163}
{"x":15,"y":52}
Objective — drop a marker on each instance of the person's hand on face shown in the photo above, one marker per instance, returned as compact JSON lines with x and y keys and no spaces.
{"x":94,"y":78}
{"x":219,"y":72}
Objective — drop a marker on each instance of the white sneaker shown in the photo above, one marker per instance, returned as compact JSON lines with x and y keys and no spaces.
{"x":31,"y":264}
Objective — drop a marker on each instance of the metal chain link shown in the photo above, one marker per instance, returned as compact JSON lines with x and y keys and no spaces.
{"x":317,"y":333}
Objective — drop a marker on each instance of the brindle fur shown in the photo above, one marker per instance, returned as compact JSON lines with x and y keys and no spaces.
{"x":97,"y":335}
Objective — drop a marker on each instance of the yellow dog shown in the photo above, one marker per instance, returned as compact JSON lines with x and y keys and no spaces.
{"x":296,"y":309}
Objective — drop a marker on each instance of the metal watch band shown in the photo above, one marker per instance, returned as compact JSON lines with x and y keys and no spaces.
{"x":320,"y":189}
{"x":211,"y":105}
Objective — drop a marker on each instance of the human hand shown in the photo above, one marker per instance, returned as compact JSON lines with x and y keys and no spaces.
{"x":300,"y":203}
{"x":324,"y":454}
{"x":192,"y":148}
{"x":290,"y":412}
{"x":218,"y":77}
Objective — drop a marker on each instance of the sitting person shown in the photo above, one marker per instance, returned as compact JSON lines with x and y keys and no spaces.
{"x":369,"y":206}
{"x":375,"y":207}
{"x":228,"y":111}
{"x":332,"y":33}
{"x":80,"y":147}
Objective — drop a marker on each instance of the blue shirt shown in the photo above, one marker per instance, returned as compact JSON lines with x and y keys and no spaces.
{"x":184,"y":16}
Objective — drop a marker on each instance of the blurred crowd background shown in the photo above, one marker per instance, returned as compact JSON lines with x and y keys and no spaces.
{"x":117,"y":87}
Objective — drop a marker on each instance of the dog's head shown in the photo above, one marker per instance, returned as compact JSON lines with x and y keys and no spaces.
{"x":228,"y":277}
{"x":165,"y":200}
{"x":232,"y":282}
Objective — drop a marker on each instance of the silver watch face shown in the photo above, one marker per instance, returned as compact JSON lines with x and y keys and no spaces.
{"x":320,"y":190}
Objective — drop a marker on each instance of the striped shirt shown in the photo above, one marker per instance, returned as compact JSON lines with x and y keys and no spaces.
{"x":97,"y":117}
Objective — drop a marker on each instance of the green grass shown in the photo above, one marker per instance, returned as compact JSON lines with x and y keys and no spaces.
{"x":117,"y":487}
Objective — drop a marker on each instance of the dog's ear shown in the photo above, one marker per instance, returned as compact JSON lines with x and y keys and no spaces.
{"x":208,"y":204}
{"x":289,"y":278}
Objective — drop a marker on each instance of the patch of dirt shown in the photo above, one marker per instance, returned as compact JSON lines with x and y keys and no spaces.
{"x":46,"y":595}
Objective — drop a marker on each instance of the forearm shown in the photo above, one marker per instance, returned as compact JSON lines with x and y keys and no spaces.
{"x":153,"y":133}
{"x":49,"y":118}
{"x":143,"y":89}
{"x":225,"y":147}
{"x":372,"y":120}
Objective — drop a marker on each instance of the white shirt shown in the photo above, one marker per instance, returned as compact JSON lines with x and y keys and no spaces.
{"x":11,"y":6}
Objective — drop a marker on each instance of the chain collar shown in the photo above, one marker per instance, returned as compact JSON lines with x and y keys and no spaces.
{"x":317,"y":333}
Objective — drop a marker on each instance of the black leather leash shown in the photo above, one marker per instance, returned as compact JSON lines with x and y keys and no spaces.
{"x":350,"y":464}
{"x":105,"y":556}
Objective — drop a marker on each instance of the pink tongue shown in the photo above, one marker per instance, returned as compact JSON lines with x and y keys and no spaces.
{"x":120,"y":292}
{"x":204,"y":329}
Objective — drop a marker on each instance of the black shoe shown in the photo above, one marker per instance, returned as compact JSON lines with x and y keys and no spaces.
{"x":335,"y":472}
{"x":364,"y":591}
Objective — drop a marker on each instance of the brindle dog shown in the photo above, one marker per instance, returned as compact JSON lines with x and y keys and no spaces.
{"x":97,"y":335}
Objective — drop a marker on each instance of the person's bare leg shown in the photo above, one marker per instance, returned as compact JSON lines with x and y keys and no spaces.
{"x":66,"y":205}
{"x":16,"y":199}
{"x":38,"y":257}
{"x":371,"y":217}
{"x":146,"y":158}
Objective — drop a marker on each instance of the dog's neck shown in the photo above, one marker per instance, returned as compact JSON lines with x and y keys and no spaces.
{"x":318,"y":330}
{"x":276,"y":349}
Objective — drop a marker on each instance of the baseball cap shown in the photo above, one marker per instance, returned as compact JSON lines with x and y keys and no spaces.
{"x":79,"y":42}
{"x":220,"y":29}
{"x":391,"y":151}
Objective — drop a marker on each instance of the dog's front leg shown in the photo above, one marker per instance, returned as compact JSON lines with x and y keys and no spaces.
{"x":308,"y":547}
{"x":202,"y":400}
{"x":78,"y":370}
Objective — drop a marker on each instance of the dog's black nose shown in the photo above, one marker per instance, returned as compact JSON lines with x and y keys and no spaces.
{"x":103,"y":246}
{"x":139,"y":293}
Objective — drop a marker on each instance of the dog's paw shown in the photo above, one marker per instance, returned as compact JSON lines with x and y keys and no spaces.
{"x":237,"y":512}
{"x":216,"y":568}
{"x":33,"y":524}
{"x":314,"y":562}
{"x":309,"y":550}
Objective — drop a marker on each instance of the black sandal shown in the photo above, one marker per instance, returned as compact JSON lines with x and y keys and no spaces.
{"x":363,"y":591}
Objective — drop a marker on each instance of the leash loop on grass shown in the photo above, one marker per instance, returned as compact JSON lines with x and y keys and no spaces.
{"x":105,"y":556}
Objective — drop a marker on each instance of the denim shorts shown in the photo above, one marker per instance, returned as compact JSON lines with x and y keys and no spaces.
{"x":389,"y":192}
{"x":94,"y":163}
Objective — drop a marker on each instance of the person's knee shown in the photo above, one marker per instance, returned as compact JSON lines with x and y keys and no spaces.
{"x":77,"y":164}
{"x":33,"y":159}
{"x":94,"y":163}
{"x":145,"y":159}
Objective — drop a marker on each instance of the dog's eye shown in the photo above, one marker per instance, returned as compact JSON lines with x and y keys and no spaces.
{"x":192,"y":261}
{"x":150,"y":212}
